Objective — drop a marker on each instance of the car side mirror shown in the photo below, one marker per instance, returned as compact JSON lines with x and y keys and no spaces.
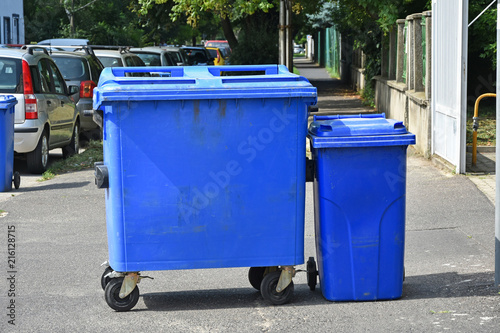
{"x":73,"y":90}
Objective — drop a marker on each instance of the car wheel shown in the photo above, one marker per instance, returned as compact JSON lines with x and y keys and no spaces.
{"x":74,"y":146}
{"x":38,"y":159}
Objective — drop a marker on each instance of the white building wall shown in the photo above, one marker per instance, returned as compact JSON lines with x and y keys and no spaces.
{"x":11,"y":22}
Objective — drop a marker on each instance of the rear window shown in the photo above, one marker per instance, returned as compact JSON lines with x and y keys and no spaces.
{"x":72,"y":69}
{"x":111,"y":62}
{"x":150,"y":59}
{"x":213,"y":53}
{"x":10,"y":75}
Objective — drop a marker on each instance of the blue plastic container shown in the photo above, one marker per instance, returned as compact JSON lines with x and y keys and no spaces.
{"x":359,"y":195}
{"x":7,"y":104}
{"x":206,"y":167}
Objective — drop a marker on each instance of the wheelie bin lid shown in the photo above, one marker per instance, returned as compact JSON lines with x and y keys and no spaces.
{"x":7,"y":101}
{"x":199,"y":83}
{"x":363,"y":130}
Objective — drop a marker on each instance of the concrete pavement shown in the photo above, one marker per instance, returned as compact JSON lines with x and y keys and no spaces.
{"x":60,"y":241}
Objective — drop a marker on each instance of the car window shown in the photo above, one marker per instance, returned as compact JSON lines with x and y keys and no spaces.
{"x":150,"y":59}
{"x":111,"y":62}
{"x":138,"y":61}
{"x":45,"y":77}
{"x":95,"y":69}
{"x":213,"y":53}
{"x":10,"y":75}
{"x":72,"y":68}
{"x":59,"y":84}
{"x":176,"y":56}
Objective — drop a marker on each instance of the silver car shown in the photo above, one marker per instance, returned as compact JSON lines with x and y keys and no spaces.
{"x":45,"y":115}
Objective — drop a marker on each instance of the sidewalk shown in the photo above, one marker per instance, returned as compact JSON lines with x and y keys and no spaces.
{"x":334,"y":97}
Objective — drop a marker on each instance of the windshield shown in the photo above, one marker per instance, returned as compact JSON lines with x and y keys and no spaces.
{"x":150,"y":59}
{"x":72,"y":69}
{"x":10,"y":75}
{"x":111,"y":62}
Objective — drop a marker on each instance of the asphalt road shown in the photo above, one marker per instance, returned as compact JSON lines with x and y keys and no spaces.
{"x":60,"y":242}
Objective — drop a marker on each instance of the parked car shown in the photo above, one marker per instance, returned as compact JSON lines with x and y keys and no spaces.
{"x":45,"y":115}
{"x":81,"y":68}
{"x":198,"y":56}
{"x":154,"y":56}
{"x":178,"y":55}
{"x":298,"y":49}
{"x":117,"y":57}
{"x":222,"y":44}
{"x":218,"y":56}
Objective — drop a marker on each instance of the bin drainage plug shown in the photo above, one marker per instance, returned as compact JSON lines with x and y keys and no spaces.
{"x":287,"y":273}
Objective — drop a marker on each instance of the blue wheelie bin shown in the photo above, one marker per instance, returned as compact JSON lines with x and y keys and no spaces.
{"x":204,"y":167}
{"x":359,"y":195}
{"x":7,"y":104}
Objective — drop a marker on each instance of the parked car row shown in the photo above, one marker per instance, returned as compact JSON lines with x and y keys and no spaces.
{"x":46,"y":116}
{"x":53,"y":82}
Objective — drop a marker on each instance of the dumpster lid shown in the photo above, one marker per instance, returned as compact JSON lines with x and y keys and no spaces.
{"x":200,"y":82}
{"x":7,"y":101}
{"x":358,"y":130}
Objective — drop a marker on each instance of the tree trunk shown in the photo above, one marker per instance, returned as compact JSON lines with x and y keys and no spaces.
{"x":229,"y":32}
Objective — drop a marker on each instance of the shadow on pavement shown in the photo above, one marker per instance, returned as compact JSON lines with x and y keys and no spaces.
{"x":224,"y":299}
{"x":58,"y":186}
{"x":441,"y":285}
{"x":447,"y":285}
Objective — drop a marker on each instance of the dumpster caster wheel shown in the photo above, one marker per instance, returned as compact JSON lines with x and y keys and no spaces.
{"x":17,"y":180}
{"x":105,"y":279}
{"x":255,"y":276}
{"x":112,"y":292}
{"x":268,"y":289}
{"x":312,"y":274}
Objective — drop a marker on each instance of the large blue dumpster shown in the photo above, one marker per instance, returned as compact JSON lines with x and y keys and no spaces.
{"x":7,"y":104}
{"x":359,"y":194}
{"x":206,"y":166}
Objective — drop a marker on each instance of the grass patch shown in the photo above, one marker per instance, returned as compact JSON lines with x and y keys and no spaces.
{"x":85,"y":160}
{"x":295,"y":70}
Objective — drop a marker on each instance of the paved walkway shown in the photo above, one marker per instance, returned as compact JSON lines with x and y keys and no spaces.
{"x":334,"y":97}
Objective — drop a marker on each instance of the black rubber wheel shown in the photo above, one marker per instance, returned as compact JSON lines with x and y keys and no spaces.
{"x":17,"y":180}
{"x":38,"y":159}
{"x":312,"y":274}
{"x":255,"y":276}
{"x":268,"y":289}
{"x":111,"y":294}
{"x":74,"y":146}
{"x":104,"y":279}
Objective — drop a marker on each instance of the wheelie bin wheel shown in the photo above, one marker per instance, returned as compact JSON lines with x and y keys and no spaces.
{"x":312,"y":274}
{"x":255,"y":276}
{"x":17,"y":180}
{"x":105,"y":279}
{"x":112,"y":292}
{"x":268,"y":289}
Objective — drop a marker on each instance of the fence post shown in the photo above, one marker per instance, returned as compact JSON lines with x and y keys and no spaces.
{"x":418,"y":62}
{"x":401,"y":51}
{"x":428,"y":54}
{"x":392,"y":54}
{"x":410,"y":58}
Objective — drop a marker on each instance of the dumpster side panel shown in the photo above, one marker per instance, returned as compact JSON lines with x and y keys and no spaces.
{"x":6,"y":146}
{"x":360,"y":222}
{"x":205,"y":183}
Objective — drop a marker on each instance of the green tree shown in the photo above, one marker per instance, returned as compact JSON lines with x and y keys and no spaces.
{"x":101,"y":21}
{"x":255,"y":20}
{"x":366,"y":22}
